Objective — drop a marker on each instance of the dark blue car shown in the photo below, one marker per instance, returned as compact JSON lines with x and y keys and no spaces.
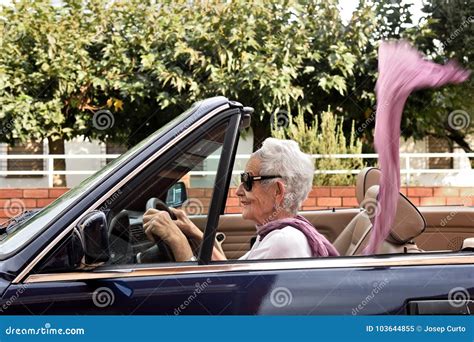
{"x":87,"y":253}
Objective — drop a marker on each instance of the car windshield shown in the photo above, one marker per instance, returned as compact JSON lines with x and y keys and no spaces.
{"x":19,"y":234}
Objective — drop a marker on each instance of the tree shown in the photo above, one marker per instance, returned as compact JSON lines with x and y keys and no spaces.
{"x":446,"y":33}
{"x":118,"y":70}
{"x":138,"y":64}
{"x":325,"y":138}
{"x":46,"y":73}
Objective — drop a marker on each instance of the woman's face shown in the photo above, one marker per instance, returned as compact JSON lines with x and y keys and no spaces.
{"x":258,"y":204}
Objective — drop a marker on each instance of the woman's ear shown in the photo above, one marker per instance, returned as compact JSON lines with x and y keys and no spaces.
{"x":280,"y":192}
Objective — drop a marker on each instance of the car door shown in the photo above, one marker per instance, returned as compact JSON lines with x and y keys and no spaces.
{"x":395,"y":284}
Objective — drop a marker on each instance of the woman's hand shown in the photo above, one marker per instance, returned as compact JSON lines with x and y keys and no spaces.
{"x":186,"y":225}
{"x":174,"y":232}
{"x":159,"y":224}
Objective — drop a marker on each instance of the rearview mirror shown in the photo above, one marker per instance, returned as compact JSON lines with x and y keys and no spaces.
{"x":95,"y":240}
{"x":176,"y":195}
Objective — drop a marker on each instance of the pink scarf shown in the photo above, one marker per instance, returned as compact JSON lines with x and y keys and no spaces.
{"x":320,"y":246}
{"x":402,"y":70}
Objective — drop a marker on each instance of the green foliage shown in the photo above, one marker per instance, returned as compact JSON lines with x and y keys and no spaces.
{"x":446,"y":33}
{"x":143,"y":61}
{"x":146,"y":62}
{"x":325,"y":138}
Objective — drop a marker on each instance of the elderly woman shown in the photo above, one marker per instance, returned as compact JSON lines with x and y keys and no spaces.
{"x":276,"y":181}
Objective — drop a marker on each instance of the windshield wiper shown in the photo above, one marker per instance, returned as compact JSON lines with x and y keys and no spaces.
{"x":14,"y":222}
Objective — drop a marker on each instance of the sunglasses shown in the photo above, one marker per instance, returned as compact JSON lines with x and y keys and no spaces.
{"x":247,"y":180}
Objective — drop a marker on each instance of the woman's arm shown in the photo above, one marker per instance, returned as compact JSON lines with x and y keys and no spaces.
{"x":174,"y":232}
{"x":192,"y":231}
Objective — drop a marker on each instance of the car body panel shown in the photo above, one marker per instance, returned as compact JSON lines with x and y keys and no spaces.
{"x":346,"y":291}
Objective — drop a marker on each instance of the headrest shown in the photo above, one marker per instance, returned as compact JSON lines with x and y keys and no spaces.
{"x":468,"y":244}
{"x":366,"y":178}
{"x":408,"y":224}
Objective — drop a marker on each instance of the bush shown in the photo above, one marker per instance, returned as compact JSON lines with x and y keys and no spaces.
{"x":326,"y":138}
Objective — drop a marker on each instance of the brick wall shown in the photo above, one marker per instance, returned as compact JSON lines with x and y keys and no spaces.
{"x":326,"y":197}
{"x":13,"y":201}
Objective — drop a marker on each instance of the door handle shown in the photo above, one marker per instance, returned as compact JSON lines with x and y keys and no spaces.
{"x":440,"y":307}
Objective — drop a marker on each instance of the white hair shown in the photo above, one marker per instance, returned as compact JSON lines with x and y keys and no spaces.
{"x":284,"y":158}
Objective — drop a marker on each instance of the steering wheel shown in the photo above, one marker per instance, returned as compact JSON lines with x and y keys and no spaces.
{"x":161,"y":250}
{"x":120,"y":238}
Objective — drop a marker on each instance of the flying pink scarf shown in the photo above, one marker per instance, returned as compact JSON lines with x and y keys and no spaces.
{"x":320,"y":246}
{"x":402,"y":70}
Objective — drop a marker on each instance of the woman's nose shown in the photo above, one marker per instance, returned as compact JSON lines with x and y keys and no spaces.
{"x":240,"y":190}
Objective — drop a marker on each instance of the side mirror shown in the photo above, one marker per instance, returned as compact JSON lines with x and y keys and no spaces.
{"x":95,"y":241}
{"x":67,"y":257}
{"x":176,"y":195}
{"x":88,"y":244}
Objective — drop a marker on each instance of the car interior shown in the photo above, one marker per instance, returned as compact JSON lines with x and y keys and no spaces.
{"x":415,"y":230}
{"x":161,"y":185}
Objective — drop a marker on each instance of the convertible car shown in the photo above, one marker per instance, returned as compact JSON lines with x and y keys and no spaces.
{"x":87,"y":253}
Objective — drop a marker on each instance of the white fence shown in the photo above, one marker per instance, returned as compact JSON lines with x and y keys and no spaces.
{"x":406,"y":162}
{"x":49,"y":171}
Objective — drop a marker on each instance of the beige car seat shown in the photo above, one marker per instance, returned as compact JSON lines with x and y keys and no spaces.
{"x":409,"y":222}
